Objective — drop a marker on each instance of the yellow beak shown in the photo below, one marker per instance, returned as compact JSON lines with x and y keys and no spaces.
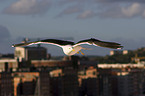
{"x":73,"y":49}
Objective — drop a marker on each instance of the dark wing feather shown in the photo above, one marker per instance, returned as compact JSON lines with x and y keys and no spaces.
{"x":100,"y":43}
{"x":46,"y":41}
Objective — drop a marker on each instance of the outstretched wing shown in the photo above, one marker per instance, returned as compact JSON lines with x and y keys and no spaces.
{"x":100,"y":43}
{"x":46,"y":41}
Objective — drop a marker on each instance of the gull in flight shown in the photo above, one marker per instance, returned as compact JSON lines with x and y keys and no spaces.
{"x":71,"y":48}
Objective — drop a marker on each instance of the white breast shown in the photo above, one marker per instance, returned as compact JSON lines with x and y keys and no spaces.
{"x":76,"y":49}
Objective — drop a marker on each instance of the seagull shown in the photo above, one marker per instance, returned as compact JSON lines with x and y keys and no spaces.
{"x":71,"y":48}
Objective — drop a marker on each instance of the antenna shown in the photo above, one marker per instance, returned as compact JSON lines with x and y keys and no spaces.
{"x":25,"y":40}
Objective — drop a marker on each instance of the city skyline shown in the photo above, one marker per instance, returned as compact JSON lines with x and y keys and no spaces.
{"x":120,"y":21}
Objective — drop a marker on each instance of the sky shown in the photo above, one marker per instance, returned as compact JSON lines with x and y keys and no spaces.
{"x":121,"y":21}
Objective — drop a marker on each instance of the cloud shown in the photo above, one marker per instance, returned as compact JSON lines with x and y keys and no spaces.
{"x":4,"y":33}
{"x":70,"y":10}
{"x":132,"y":10}
{"x":101,"y":1}
{"x":5,"y":40}
{"x":89,"y":9}
{"x":110,"y":8}
{"x":122,"y":11}
{"x":86,"y":14}
{"x":122,"y":1}
{"x":27,"y":7}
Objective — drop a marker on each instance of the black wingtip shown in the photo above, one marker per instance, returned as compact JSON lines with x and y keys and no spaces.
{"x":120,"y":47}
{"x":18,"y":45}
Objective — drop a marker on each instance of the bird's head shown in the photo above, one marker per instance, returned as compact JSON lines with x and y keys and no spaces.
{"x":67,"y":49}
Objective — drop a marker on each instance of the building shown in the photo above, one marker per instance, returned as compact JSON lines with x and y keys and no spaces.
{"x":18,"y":83}
{"x":114,"y":52}
{"x":64,"y":82}
{"x":31,"y":53}
{"x":120,"y":66}
{"x":123,"y":52}
{"x":51,"y":63}
{"x":72,"y":76}
{"x":44,"y":84}
{"x":88,"y":78}
{"x":24,"y":83}
{"x":130,"y":82}
{"x":6,"y":84}
{"x":107,"y":83}
{"x":8,"y":65}
{"x":88,"y":82}
{"x":121,"y":79}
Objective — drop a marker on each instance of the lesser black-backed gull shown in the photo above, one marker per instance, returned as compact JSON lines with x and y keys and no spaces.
{"x":71,"y":48}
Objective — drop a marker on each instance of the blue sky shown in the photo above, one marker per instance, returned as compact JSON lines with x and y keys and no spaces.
{"x":120,"y":21}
